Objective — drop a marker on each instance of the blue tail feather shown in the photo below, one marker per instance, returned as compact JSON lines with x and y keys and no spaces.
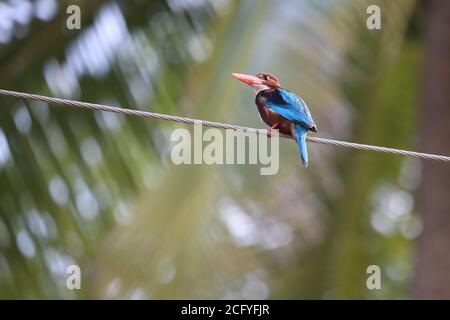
{"x":300,"y":133}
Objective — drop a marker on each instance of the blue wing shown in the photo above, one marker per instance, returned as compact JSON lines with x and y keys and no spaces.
{"x":291,"y":107}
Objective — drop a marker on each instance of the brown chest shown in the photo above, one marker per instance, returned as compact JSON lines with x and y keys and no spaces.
{"x":271,"y":118}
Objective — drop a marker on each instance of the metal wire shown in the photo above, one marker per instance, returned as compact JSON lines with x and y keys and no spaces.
{"x":153,"y":115}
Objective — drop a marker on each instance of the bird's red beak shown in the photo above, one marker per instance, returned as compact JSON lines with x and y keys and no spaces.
{"x":248,"y":79}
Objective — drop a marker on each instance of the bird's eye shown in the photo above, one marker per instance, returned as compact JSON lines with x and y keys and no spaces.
{"x":266,"y":77}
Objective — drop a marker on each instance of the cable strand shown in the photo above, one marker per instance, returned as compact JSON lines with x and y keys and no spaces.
{"x":161,"y":116}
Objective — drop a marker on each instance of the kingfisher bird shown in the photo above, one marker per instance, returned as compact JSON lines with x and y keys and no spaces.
{"x":281,"y":109}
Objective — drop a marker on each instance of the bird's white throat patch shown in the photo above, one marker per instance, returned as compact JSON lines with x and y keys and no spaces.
{"x":259,"y":88}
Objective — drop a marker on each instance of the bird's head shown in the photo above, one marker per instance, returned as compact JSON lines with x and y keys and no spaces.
{"x":262,"y":81}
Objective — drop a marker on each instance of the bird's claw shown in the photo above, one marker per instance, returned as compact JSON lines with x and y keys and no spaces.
{"x":271,"y":130}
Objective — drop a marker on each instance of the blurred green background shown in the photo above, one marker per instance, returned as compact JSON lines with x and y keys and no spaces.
{"x":99,"y":190}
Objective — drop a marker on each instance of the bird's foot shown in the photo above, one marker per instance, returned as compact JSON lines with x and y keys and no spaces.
{"x":271,"y":130}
